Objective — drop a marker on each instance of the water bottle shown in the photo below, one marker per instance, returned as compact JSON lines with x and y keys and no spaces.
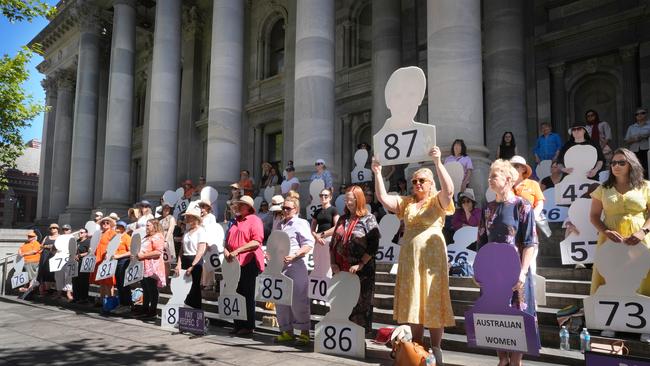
{"x":585,"y":341}
{"x":431,"y":359}
{"x":564,"y":339}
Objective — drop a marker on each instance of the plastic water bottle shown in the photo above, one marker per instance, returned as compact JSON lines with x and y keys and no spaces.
{"x":585,"y":340}
{"x":564,"y":339}
{"x":431,"y":359}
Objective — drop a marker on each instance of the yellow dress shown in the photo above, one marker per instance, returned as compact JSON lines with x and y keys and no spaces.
{"x":422,"y":286}
{"x":625,"y":213}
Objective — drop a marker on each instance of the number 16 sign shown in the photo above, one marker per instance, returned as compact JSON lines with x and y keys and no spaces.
{"x":402,"y":140}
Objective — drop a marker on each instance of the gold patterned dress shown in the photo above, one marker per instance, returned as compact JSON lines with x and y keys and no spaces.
{"x":422,"y":286}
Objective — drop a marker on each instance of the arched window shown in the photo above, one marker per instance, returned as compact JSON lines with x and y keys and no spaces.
{"x":275,"y":49}
{"x":363,"y":36}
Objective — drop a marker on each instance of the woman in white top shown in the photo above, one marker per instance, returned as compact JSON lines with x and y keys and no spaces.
{"x":191,"y":255}
{"x":291,"y":183}
{"x":145,"y":213}
{"x":207,"y":217}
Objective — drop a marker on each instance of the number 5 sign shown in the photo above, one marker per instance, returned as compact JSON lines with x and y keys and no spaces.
{"x":402,"y":140}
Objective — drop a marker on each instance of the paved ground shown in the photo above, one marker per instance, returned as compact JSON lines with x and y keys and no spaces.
{"x":37,"y":334}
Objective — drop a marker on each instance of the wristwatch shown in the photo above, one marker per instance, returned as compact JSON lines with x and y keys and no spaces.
{"x":645,"y":230}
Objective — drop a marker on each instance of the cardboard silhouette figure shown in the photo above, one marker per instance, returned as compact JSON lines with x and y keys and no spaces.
{"x":91,"y":227}
{"x":543,"y":169}
{"x":315,"y":187}
{"x":402,"y":140}
{"x":209,"y":194}
{"x":580,"y":158}
{"x":63,"y":245}
{"x":231,"y":304}
{"x":320,"y":276}
{"x":490,"y":195}
{"x":553,"y":212}
{"x":340,"y":204}
{"x":107,"y":267}
{"x":616,"y":305}
{"x":491,"y":322}
{"x":213,"y":257}
{"x":182,"y":203}
{"x":388,"y":252}
{"x":88,"y":262}
{"x":135,"y":270}
{"x":19,"y":278}
{"x":360,"y":173}
{"x":456,"y":172}
{"x":580,"y":248}
{"x":180,"y":286}
{"x":459,"y":250}
{"x":269,"y":192}
{"x":335,"y":333}
{"x":272,"y":285}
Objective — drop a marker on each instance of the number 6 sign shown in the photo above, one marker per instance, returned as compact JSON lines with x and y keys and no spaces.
{"x":402,"y":140}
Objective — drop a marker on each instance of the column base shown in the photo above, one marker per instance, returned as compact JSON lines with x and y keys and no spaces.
{"x":76,"y":217}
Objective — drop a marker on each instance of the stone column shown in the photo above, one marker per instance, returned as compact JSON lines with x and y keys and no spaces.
{"x":558,"y":100}
{"x":47,"y":144}
{"x":165,"y":100}
{"x":630,"y":87}
{"x":314,"y":85}
{"x":455,"y":103}
{"x":226,"y":92}
{"x":84,"y":133}
{"x":386,"y":54}
{"x":505,"y":83}
{"x":119,"y":121}
{"x":62,"y":144}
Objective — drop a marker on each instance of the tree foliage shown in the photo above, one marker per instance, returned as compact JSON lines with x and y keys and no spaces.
{"x":25,"y":10}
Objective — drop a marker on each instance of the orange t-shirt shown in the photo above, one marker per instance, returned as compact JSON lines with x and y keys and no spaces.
{"x":125,"y":244}
{"x":247,"y":186}
{"x":529,"y":190}
{"x":28,"y":247}
{"x":100,"y":253}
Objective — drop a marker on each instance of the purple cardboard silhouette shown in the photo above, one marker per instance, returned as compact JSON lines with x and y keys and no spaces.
{"x":491,"y":322}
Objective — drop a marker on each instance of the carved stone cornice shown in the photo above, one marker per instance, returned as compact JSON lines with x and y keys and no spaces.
{"x":65,"y":79}
{"x":557,"y":70}
{"x":49,"y":84}
{"x":88,"y":17}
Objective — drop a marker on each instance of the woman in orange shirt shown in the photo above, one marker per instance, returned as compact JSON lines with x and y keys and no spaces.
{"x":106,"y":226}
{"x":31,"y":253}
{"x":123,"y":256}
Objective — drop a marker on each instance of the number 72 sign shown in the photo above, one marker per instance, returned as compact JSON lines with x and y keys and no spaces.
{"x":403,"y":146}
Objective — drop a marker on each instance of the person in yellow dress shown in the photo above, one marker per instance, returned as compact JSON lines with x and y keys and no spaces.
{"x":625,"y":199}
{"x":422,"y":288}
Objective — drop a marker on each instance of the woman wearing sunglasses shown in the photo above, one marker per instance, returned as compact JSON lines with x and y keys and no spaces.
{"x":324,"y":218}
{"x":625,"y":200}
{"x":422,"y":288}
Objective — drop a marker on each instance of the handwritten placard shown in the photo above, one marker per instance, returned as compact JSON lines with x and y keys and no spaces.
{"x":191,"y":321}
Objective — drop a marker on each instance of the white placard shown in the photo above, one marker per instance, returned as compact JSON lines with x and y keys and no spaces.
{"x":106,"y":269}
{"x":320,"y":276}
{"x":180,"y":287}
{"x":215,"y":236}
{"x":580,"y":248}
{"x":64,"y":244}
{"x":171,"y":197}
{"x":388,"y":252}
{"x":269,"y":192}
{"x":340,"y":204}
{"x":21,"y":279}
{"x":91,"y":227}
{"x":181,"y":206}
{"x":540,"y":289}
{"x":490,"y":195}
{"x":503,"y":332}
{"x":272,"y":285}
{"x":459,"y":250}
{"x":232,"y":306}
{"x":553,"y":212}
{"x":57,"y":263}
{"x":625,"y":314}
{"x":133,"y":273}
{"x":88,"y":264}
{"x":335,"y":333}
{"x":213,"y":258}
{"x":402,"y":140}
{"x":580,"y":158}
{"x":360,"y":173}
{"x":315,"y":187}
{"x":210,"y":194}
{"x":543,"y":170}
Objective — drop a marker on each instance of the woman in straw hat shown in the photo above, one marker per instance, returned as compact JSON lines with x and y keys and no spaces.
{"x":45,"y":277}
{"x":107,"y":228}
{"x":191,"y":255}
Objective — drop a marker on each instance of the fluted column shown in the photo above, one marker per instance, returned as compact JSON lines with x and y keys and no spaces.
{"x":386,"y":54}
{"x":165,"y":99}
{"x":630,"y":84}
{"x":84,"y":133}
{"x":119,"y":120}
{"x":226,"y":88}
{"x":505,"y":83}
{"x":62,"y":143}
{"x":558,"y":99}
{"x":455,"y":79}
{"x":314,"y":84}
{"x":47,"y":144}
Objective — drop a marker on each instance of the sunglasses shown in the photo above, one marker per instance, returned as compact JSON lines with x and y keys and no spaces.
{"x":419,"y":181}
{"x":640,"y":113}
{"x":317,"y":164}
{"x":323,"y":195}
{"x":287,"y":208}
{"x":619,"y":162}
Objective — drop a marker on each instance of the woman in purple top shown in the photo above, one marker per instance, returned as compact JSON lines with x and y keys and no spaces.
{"x":468,"y":214}
{"x":510,"y":219}
{"x":459,"y":154}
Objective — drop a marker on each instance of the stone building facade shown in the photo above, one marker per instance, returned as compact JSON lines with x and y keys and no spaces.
{"x":145,"y":94}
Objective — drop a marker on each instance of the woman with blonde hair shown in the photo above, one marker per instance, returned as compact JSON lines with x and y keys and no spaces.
{"x":151,"y":250}
{"x":422,"y":296}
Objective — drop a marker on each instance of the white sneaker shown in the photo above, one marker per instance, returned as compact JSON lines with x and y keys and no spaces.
{"x":607,"y":333}
{"x":645,"y":338}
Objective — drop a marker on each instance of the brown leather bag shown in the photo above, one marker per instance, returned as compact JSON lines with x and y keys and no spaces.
{"x":406,"y":353}
{"x":609,"y":346}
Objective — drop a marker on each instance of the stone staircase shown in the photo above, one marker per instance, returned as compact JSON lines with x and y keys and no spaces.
{"x":11,"y":240}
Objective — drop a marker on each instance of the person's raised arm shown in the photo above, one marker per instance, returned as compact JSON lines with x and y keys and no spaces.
{"x":391,"y":203}
{"x":446,"y":194}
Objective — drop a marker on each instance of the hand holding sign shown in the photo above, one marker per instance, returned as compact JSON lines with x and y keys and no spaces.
{"x":272,"y":285}
{"x":402,"y":140}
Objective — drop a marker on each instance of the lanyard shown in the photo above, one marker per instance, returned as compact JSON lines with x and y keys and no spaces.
{"x":348,"y":232}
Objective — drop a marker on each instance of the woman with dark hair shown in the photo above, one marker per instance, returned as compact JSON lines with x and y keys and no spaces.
{"x":600,"y":132}
{"x":459,"y":154}
{"x":508,"y":148}
{"x":354,"y":244}
{"x":624,"y":198}
{"x":580,"y":136}
{"x":44,"y":276}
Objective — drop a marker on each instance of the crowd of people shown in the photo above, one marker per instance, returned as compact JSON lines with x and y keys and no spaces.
{"x":428,"y":214}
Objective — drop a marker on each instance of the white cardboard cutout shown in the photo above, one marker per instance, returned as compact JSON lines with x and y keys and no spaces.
{"x":210,"y":194}
{"x":340,"y":204}
{"x":616,"y":305}
{"x":88,"y":262}
{"x":540,"y":289}
{"x":543,"y":169}
{"x":335,"y":333}
{"x":388,"y":252}
{"x":180,"y":286}
{"x":490,"y":195}
{"x":62,"y":244}
{"x":580,"y":248}
{"x":180,"y":192}
{"x":320,"y":276}
{"x":360,"y":173}
{"x":19,"y":278}
{"x":171,"y":197}
{"x":315,"y":187}
{"x":581,"y":158}
{"x":602,"y":176}
{"x":402,"y":140}
{"x":269,"y":192}
{"x":231,"y":304}
{"x":553,"y":212}
{"x":91,"y":227}
{"x":182,"y":205}
{"x":459,"y":250}
{"x":134,"y":272}
{"x":456,"y":172}
{"x":272,"y":285}
{"x":107,"y":267}
{"x":257,"y":202}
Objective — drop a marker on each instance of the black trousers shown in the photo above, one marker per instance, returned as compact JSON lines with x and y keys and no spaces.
{"x":246,"y":288}
{"x":124,"y":292}
{"x":149,"y":293}
{"x":80,"y":286}
{"x":642,"y":155}
{"x":193,"y":298}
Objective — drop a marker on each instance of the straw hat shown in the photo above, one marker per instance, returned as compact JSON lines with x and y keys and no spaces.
{"x":467,"y":194}
{"x":276,"y":203}
{"x":31,"y":234}
{"x":109,"y":219}
{"x":55,"y":225}
{"x":194,"y":211}
{"x":246,"y":200}
{"x":205,"y":203}
{"x":517,"y":159}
